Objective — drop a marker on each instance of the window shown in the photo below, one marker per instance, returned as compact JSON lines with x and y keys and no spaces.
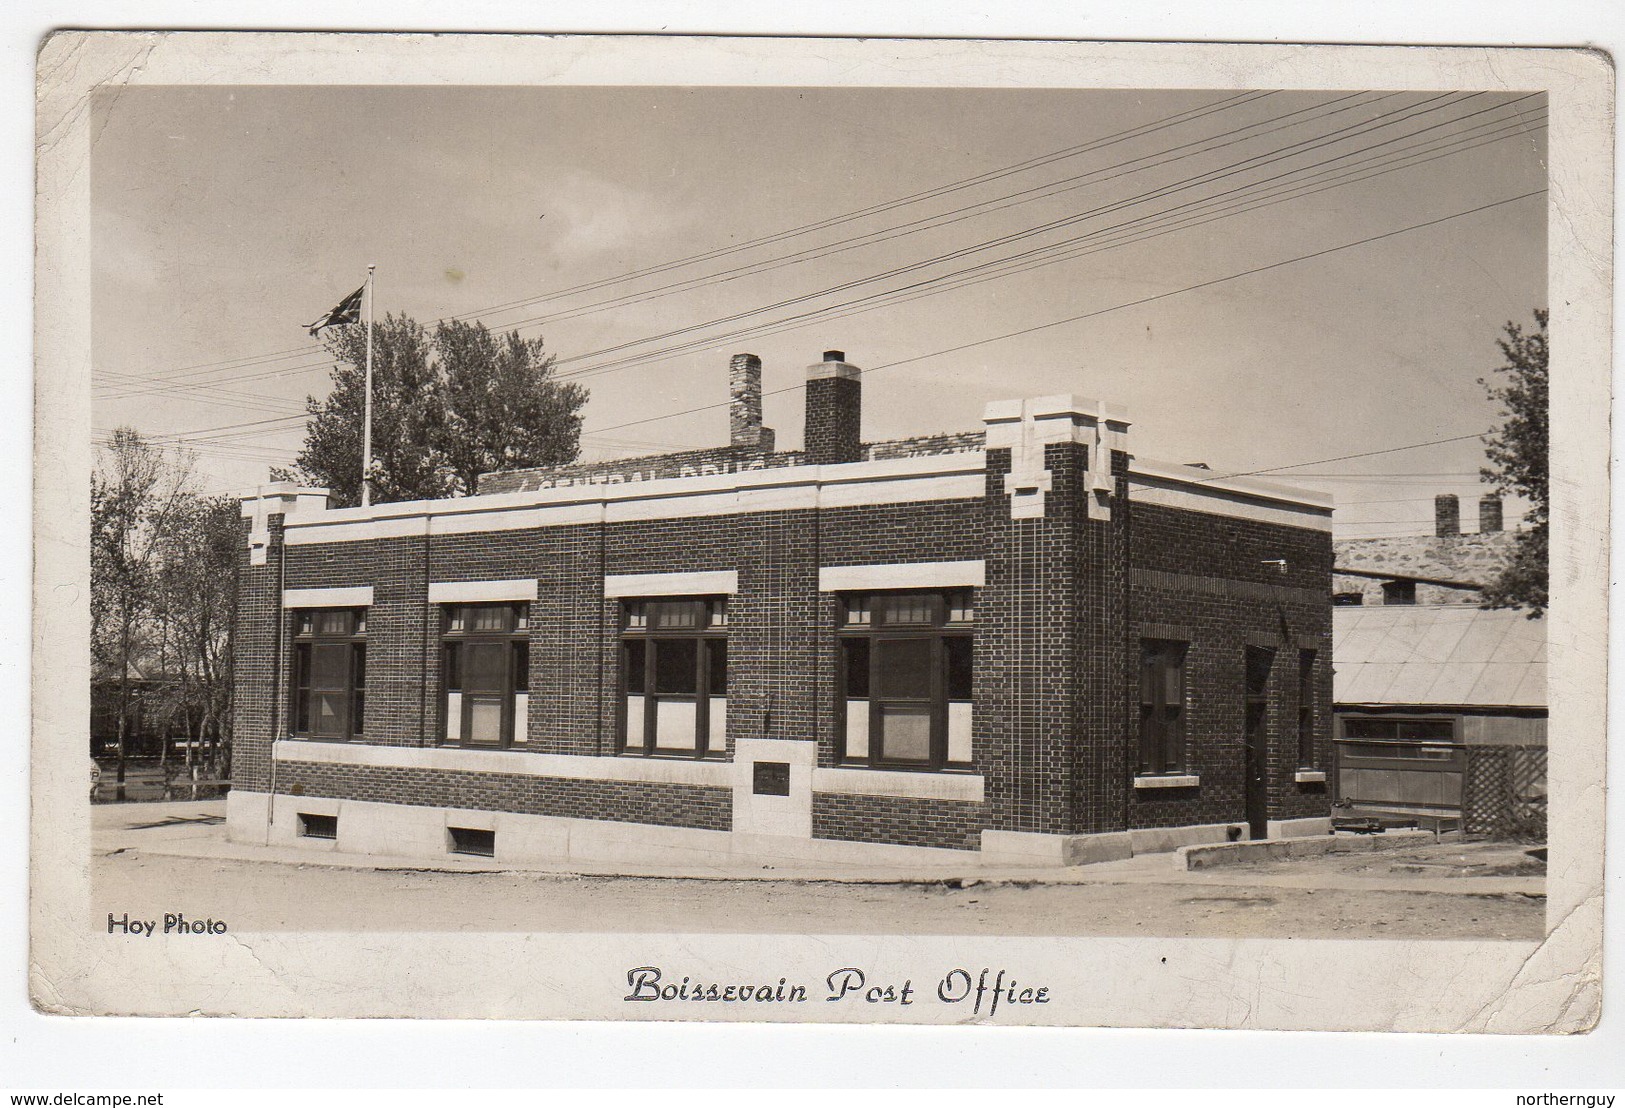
{"x":1397,"y":739}
{"x":907,"y":660}
{"x":1162,"y":706}
{"x":1306,"y":709}
{"x":1399,"y":592}
{"x":1348,"y":599}
{"x":485,"y":674}
{"x":674,"y":673}
{"x":330,"y":673}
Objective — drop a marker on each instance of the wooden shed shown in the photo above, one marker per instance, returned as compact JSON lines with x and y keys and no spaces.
{"x":1440,"y":711}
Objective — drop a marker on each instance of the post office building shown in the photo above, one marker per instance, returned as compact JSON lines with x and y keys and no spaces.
{"x":1020,"y":644}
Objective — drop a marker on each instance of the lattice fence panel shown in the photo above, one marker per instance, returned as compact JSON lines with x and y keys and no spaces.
{"x":1504,"y":795}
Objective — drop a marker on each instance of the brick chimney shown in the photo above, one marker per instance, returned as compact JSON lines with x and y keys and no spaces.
{"x":745,"y":430}
{"x":834,"y":411}
{"x":1489,"y":514}
{"x":1446,"y":515}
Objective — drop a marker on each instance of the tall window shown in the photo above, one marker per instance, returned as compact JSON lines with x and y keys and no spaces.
{"x":1306,"y":709}
{"x":674,"y":669}
{"x":907,"y":661}
{"x":1162,"y":706}
{"x":330,"y":672}
{"x":485,"y":673}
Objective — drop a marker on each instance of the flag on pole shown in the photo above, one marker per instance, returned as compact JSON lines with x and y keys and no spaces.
{"x":347,"y":311}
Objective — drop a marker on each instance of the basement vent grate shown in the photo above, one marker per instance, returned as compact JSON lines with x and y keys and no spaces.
{"x":312,"y":826}
{"x":472,"y":840}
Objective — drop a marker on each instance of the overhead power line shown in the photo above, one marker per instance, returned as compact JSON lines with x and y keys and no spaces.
{"x":998,"y":173}
{"x":1140,"y":302}
{"x":1138,"y":230}
{"x":1204,"y":178}
{"x":169,"y":384}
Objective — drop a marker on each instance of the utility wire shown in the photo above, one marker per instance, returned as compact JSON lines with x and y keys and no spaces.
{"x":1188,"y":115}
{"x":1120,"y":307}
{"x":1140,"y":230}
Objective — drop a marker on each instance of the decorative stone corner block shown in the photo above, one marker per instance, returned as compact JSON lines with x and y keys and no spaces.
{"x":1025,"y":427}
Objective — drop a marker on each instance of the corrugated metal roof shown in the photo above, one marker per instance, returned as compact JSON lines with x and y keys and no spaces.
{"x":1462,"y":656}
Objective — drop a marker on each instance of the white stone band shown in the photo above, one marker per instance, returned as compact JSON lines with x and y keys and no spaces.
{"x":723,"y":582}
{"x":903,"y":575}
{"x":475,"y":592}
{"x":359,"y":597}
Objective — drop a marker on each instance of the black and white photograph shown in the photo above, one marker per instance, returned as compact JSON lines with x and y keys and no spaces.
{"x":1020,"y":533}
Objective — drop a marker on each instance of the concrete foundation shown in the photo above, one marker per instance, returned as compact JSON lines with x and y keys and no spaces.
{"x":1025,"y":848}
{"x":1160,"y":840}
{"x":1297,"y":828}
{"x":368,"y":827}
{"x":1233,"y":854}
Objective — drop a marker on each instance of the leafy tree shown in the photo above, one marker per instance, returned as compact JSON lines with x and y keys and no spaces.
{"x":408,"y":409}
{"x":1517,"y":451}
{"x":503,"y":409}
{"x":447,"y":407}
{"x":136,"y":495}
{"x":196,"y":600}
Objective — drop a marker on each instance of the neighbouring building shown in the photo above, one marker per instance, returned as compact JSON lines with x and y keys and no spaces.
{"x":1448,"y":567}
{"x":1441,"y":705}
{"x":1017,"y":645}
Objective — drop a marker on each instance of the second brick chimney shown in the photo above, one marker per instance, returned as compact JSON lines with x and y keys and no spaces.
{"x":834,"y":411}
{"x":1446,"y":515}
{"x":1489,"y":514}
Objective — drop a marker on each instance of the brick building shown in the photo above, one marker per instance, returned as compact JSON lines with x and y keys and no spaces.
{"x":1016,"y":645}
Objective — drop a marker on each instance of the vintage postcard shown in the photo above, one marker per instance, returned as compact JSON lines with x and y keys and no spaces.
{"x":906,"y":531}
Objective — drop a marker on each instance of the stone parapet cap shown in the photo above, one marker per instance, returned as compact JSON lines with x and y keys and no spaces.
{"x":1059,"y":406}
{"x":1218,"y":483}
{"x":286,"y":497}
{"x":779,"y":477}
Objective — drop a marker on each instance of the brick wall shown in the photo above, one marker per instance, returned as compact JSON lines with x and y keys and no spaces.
{"x":402,"y":645}
{"x":714,"y":459}
{"x":1055,"y":731}
{"x":683,"y":463}
{"x":1208,"y":580}
{"x":1048,"y":663}
{"x":667,"y":805}
{"x":256,"y":679}
{"x":954,"y":825}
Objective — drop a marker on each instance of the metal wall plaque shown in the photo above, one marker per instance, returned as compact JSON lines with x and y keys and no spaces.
{"x":771,"y":778}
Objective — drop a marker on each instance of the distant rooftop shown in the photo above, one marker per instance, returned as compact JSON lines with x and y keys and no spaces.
{"x":1440,"y":656}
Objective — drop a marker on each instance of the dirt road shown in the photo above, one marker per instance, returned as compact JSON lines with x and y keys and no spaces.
{"x":255,"y":896}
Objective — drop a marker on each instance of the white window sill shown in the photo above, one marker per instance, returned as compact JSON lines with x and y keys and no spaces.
{"x":1169,"y":781}
{"x":1309,"y":776}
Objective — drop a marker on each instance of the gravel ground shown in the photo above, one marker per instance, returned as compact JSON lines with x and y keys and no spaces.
{"x":260,"y":896}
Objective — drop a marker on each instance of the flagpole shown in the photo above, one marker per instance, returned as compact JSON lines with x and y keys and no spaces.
{"x":366,"y":415}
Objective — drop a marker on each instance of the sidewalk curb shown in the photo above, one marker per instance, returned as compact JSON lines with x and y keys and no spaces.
{"x":1209,"y":855}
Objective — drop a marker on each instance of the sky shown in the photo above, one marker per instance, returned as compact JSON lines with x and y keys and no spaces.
{"x":1268,"y":281}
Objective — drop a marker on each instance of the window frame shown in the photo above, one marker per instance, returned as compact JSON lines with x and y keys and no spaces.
{"x":1399,"y":592}
{"x":309,"y":635}
{"x":1375,"y":751}
{"x":1163,"y":750}
{"x":457,"y":633}
{"x":867,"y":617}
{"x":709,"y":634}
